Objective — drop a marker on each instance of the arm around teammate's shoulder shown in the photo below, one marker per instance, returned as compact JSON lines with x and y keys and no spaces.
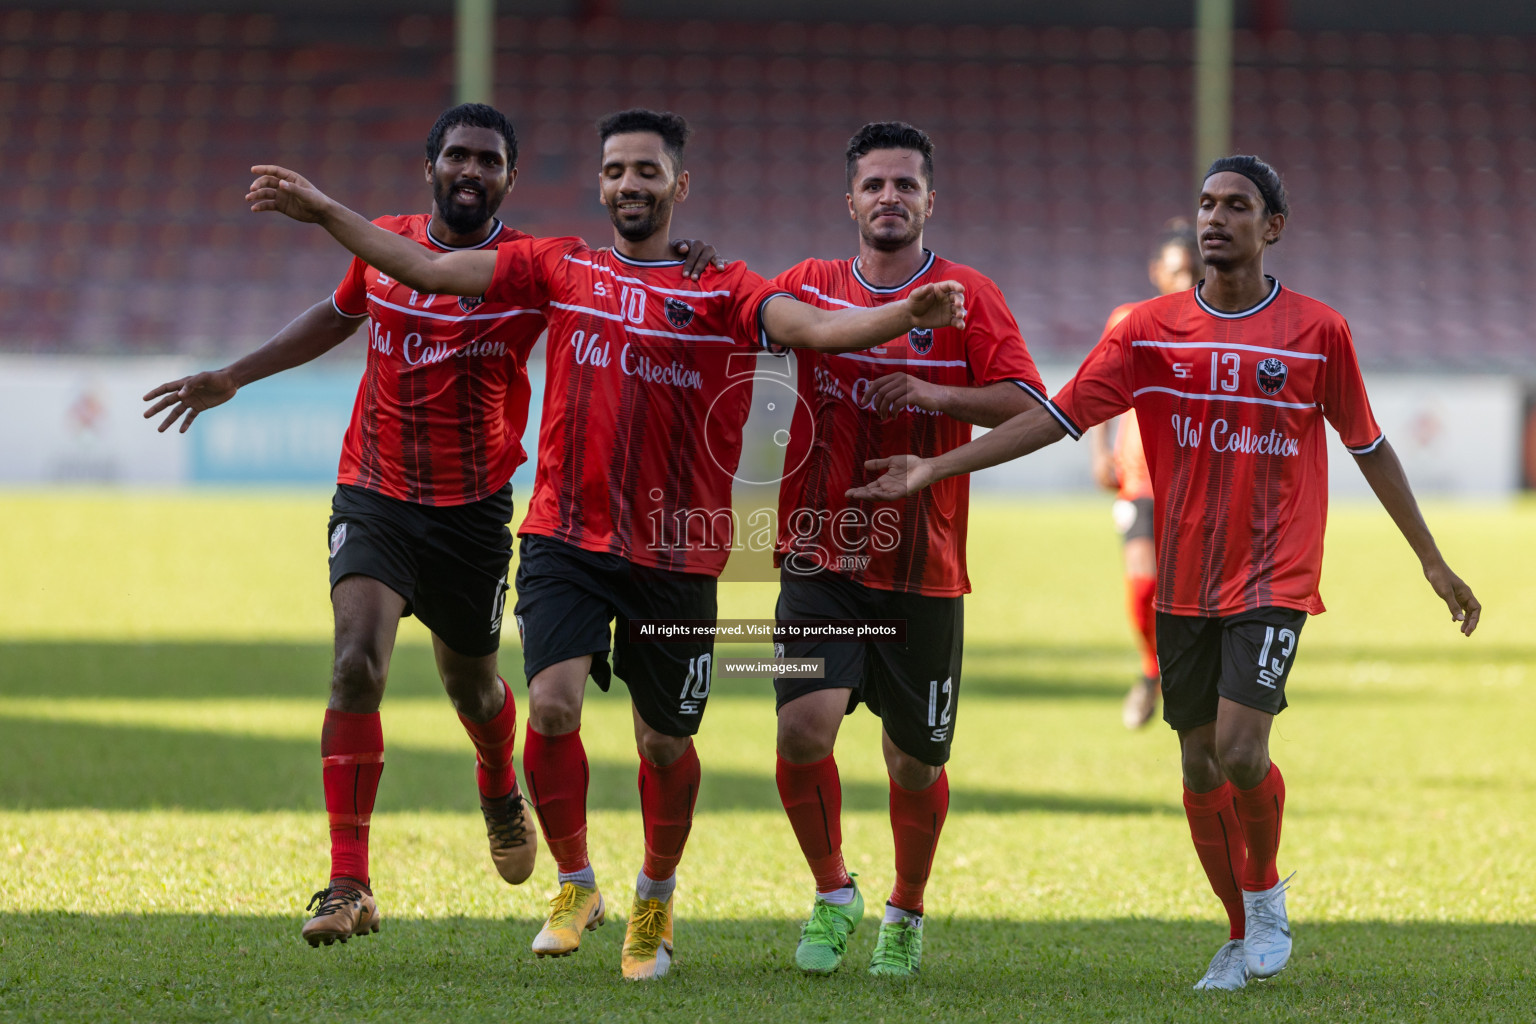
{"x":796,"y":324}
{"x":280,"y":190}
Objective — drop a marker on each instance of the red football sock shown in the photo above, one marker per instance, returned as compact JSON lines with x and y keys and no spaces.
{"x":1219,"y":843}
{"x":917,"y":818}
{"x":1259,"y":811}
{"x":493,"y":748}
{"x":557,"y":774}
{"x":1139,"y":591}
{"x":813,"y":798}
{"x":351,"y":761}
{"x":667,"y":796}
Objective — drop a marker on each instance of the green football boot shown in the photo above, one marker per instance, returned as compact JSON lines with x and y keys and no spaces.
{"x":899,"y":950}
{"x":824,"y":939}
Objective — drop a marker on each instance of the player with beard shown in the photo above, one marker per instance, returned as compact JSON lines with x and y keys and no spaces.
{"x":1232,"y":382}
{"x":423,"y":499}
{"x":1122,"y":468}
{"x":842,"y":559}
{"x":631,"y":512}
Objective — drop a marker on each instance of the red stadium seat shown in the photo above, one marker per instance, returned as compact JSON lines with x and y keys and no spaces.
{"x":1054,"y":144}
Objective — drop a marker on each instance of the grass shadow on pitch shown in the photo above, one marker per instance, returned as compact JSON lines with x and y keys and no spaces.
{"x":174,"y":967}
{"x":48,"y":764}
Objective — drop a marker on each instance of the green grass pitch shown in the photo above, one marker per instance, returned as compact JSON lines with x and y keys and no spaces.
{"x":163,"y":665}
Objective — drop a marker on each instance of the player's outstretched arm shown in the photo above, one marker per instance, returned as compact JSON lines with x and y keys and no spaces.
{"x":452,"y":273}
{"x":1384,"y":473}
{"x":795,"y":324}
{"x":1029,"y":431}
{"x":985,"y":406}
{"x":312,"y":333}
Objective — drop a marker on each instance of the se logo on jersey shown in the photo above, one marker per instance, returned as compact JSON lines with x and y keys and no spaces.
{"x":1272,"y":373}
{"x":921,"y":340}
{"x":468,"y":304}
{"x":679,"y":313}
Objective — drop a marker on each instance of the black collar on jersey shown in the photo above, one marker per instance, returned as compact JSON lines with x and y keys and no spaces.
{"x":458,"y":248}
{"x":644,"y":263}
{"x":1273,"y":292}
{"x":928,"y":263}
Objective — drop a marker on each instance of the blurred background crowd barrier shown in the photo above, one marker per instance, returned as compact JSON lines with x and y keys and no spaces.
{"x":1409,"y":151}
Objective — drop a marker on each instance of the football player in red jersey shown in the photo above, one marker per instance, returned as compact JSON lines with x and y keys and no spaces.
{"x":1232,"y":382}
{"x":631,"y":513}
{"x":423,"y":499}
{"x":1122,"y":468}
{"x":853,"y":560}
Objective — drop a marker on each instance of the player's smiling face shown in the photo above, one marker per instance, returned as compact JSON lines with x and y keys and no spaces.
{"x":470,"y":177}
{"x":639,"y":183}
{"x":891,"y":199}
{"x":1232,"y":223}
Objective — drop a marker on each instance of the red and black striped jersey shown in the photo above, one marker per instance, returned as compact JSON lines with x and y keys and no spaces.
{"x":648,"y":386}
{"x":440,"y":412}
{"x":1231,"y":409}
{"x":917,"y":545}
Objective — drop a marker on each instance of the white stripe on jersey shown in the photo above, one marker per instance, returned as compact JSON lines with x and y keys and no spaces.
{"x":680,"y":337}
{"x":825,"y":297}
{"x":902,"y":361}
{"x":444,"y":316}
{"x":685,"y":292}
{"x":588,"y":309}
{"x":1225,"y":398}
{"x":642,"y":330}
{"x":1224,"y":346}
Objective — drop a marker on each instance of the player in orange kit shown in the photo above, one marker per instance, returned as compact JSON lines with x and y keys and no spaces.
{"x":1122,"y":468}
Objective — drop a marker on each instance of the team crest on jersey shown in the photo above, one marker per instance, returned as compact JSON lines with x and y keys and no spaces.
{"x":679,"y":313}
{"x":921,"y":340}
{"x":1272,"y":374}
{"x":468,"y":304}
{"x":338,"y":538}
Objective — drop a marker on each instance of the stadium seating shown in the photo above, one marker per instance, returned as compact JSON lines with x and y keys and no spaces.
{"x":1411,"y":161}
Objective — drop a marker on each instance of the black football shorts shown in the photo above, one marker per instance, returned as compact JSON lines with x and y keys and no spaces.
{"x":1245,"y":658}
{"x":566,"y":599}
{"x":449,"y":562}
{"x":914,"y":686}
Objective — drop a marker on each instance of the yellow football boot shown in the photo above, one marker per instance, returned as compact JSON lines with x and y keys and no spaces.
{"x":572,"y":911}
{"x":647,"y":949}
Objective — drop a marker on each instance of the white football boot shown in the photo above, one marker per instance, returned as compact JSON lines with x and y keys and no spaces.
{"x":1267,"y":949}
{"x":1227,"y":971}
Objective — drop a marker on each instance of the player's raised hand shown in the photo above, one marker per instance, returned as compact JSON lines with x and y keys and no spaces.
{"x":1465,"y":608}
{"x":700,"y":257}
{"x":895,"y":391}
{"x":904,"y":475}
{"x":190,"y":396}
{"x":287,"y":192}
{"x":940,"y":304}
